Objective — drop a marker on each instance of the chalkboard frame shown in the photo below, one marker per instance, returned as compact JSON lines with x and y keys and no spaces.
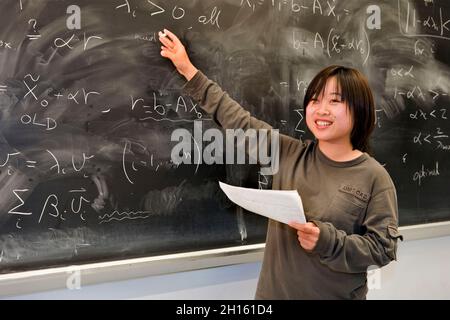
{"x":14,"y":284}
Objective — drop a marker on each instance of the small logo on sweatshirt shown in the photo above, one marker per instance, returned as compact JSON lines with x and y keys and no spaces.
{"x":356,"y":192}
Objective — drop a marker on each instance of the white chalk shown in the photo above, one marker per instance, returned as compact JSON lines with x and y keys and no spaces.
{"x":162,"y":34}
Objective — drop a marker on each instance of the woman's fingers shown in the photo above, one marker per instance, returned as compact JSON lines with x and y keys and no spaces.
{"x":307,"y":241}
{"x":305,"y":235}
{"x":305,"y":244}
{"x":166,"y":42}
{"x":166,"y":53}
{"x":173,"y":37}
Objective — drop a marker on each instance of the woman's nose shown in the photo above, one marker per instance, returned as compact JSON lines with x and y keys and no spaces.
{"x":322,"y":109}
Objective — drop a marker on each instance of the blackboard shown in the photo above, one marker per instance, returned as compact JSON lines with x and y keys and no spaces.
{"x":88,"y":107}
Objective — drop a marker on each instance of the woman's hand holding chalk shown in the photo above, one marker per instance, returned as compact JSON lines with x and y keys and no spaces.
{"x":174,"y":50}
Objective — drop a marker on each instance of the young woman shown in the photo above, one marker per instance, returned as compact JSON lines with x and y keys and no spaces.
{"x":349,"y":198}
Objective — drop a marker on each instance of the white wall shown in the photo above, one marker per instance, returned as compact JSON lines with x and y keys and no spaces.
{"x":421,"y":272}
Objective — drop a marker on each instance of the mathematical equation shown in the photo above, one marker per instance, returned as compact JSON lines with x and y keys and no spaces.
{"x":185,"y":108}
{"x":435,"y":24}
{"x":176,"y":12}
{"x":14,"y":161}
{"x":76,"y":205}
{"x":323,"y":8}
{"x":158,"y":111}
{"x":51,"y":206}
{"x":79,"y":165}
{"x":334,"y":44}
{"x":428,"y":138}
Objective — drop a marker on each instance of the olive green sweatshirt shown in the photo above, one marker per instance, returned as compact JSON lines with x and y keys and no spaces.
{"x":353,"y":203}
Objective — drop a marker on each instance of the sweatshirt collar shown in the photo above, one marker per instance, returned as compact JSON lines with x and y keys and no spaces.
{"x":341,"y":164}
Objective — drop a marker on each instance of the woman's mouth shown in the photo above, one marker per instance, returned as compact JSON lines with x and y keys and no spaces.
{"x":323,"y":123}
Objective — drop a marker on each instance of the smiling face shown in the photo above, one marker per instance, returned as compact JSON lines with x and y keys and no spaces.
{"x":328,"y":117}
{"x":340,"y":108}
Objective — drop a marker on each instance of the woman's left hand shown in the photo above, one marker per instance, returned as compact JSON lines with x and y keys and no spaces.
{"x":307,"y":233}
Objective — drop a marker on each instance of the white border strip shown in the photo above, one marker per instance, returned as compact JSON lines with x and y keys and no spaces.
{"x":56,"y":278}
{"x":425,"y":231}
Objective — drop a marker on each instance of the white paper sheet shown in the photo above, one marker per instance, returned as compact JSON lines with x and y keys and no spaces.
{"x":280,"y":205}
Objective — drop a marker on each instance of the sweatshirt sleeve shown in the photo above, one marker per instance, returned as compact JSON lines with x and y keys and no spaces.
{"x":377,"y":246}
{"x":225,"y":111}
{"x":229,"y":114}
